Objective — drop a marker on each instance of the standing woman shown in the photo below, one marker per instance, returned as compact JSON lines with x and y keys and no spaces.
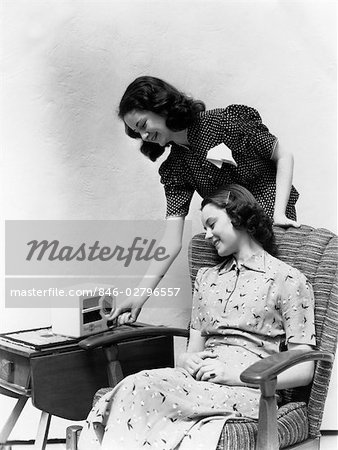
{"x":208,"y":149}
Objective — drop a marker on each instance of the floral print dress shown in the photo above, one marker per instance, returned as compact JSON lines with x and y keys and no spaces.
{"x":245,"y":313}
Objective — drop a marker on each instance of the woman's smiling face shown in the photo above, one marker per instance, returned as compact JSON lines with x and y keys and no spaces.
{"x":220,"y":230}
{"x":150,"y":126}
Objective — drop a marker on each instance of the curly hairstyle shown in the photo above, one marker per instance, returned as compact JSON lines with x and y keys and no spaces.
{"x":245,"y":213}
{"x":153,"y":94}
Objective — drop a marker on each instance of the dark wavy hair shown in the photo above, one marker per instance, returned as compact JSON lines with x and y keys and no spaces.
{"x":153,"y":94}
{"x":245,"y":213}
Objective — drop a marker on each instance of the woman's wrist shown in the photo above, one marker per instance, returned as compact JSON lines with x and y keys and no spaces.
{"x":181,"y":359}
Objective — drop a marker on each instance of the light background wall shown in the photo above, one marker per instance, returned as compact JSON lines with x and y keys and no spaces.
{"x":65,"y":65}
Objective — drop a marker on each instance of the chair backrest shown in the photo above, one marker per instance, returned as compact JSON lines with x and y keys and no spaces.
{"x":313,"y":252}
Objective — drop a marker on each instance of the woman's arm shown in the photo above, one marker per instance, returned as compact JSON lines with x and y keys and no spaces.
{"x":193,"y":358}
{"x":284,"y":165}
{"x":130,"y":308}
{"x":216,"y":371}
{"x":299,"y":375}
{"x":196,"y":341}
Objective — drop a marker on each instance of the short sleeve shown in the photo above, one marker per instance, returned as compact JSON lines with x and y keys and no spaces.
{"x":177,"y":191}
{"x":244,"y":130}
{"x":297,"y":309}
{"x":196,"y":312}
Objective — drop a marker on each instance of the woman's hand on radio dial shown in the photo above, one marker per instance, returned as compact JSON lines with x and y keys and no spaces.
{"x":128,"y":311}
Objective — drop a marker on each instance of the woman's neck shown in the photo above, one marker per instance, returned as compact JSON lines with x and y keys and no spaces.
{"x":180,"y":137}
{"x":248,"y":248}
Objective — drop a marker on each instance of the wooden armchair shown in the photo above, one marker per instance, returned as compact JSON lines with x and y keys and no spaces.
{"x":296,"y":424}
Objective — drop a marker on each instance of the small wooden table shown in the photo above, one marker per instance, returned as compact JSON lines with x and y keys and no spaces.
{"x":61,"y":377}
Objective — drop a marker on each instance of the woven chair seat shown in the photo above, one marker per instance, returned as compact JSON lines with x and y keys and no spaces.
{"x":240,"y":434}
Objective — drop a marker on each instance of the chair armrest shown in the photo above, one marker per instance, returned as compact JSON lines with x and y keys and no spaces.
{"x":72,"y":436}
{"x":264,"y":373}
{"x":130,"y":332}
{"x":268,"y":368}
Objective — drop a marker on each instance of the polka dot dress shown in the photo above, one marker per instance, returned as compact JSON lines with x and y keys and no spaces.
{"x":240,"y":128}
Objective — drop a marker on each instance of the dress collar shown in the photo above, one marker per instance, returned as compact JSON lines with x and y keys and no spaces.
{"x":256,"y":262}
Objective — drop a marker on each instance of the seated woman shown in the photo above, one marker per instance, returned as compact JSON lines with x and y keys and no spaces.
{"x":243,"y":310}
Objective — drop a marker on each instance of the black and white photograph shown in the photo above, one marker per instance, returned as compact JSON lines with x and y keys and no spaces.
{"x":169,"y":225}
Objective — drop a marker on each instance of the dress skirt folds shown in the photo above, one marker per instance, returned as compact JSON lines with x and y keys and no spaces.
{"x":165,"y":409}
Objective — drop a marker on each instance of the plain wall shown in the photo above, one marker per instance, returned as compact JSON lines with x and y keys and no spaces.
{"x":66,"y":64}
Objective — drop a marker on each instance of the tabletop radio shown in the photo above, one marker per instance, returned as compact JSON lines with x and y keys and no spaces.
{"x":88,"y":313}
